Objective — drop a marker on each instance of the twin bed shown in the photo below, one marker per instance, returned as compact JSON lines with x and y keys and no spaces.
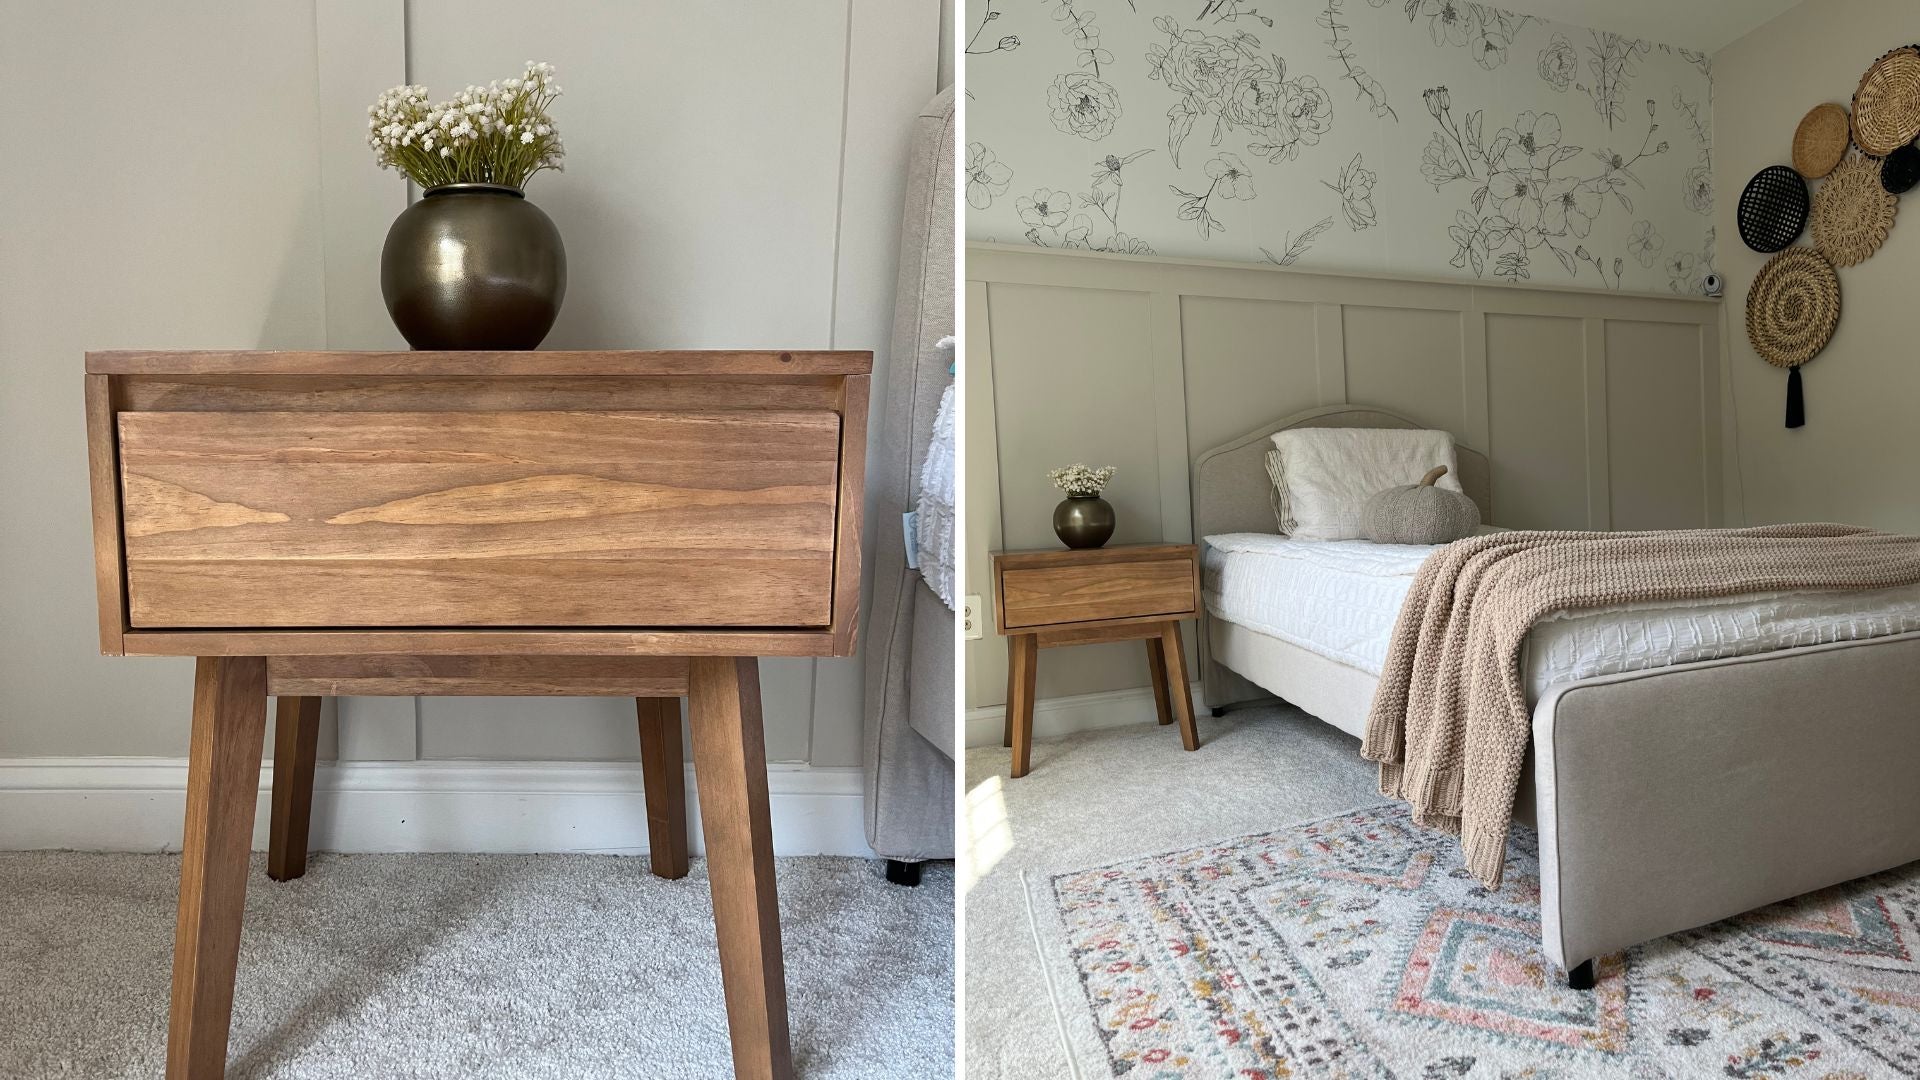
{"x":1690,"y":761}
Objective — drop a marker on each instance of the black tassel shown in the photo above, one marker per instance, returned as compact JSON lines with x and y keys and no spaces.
{"x":1796,"y":404}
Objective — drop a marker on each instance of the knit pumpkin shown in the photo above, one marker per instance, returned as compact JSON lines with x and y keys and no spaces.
{"x":1420,"y":513}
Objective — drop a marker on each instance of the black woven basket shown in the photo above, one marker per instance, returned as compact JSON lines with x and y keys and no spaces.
{"x":1773,"y":209}
{"x":1901,"y":170}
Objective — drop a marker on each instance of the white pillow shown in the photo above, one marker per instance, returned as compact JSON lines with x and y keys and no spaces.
{"x":1324,"y":476}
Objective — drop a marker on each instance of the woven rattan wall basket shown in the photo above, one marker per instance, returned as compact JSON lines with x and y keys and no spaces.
{"x":1852,"y":212}
{"x":1792,"y":309}
{"x":1886,"y":107}
{"x":1820,"y":141}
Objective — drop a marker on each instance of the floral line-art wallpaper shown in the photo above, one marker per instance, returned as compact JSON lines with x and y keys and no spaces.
{"x":1495,"y":146}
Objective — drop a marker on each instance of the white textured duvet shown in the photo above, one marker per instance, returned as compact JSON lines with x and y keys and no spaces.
{"x":1339,"y":598}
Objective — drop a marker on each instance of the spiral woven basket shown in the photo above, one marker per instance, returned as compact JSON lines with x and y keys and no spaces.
{"x":1793,"y":306}
{"x":1820,"y":141}
{"x":1886,"y":107}
{"x":1852,"y":212}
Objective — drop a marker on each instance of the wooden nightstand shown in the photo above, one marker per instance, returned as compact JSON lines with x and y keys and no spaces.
{"x":641,"y":524}
{"x":1133,"y":592}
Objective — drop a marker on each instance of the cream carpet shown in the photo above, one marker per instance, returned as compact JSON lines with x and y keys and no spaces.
{"x":1102,"y":796}
{"x":470,"y":966}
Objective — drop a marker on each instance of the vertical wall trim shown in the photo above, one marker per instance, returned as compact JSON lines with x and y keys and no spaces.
{"x":1170,"y":416}
{"x":1710,"y":423}
{"x":1475,"y":409}
{"x":1330,"y":352}
{"x":1599,"y":481}
{"x":890,"y":68}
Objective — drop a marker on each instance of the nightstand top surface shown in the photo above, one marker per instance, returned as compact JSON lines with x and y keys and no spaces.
{"x":532,"y":362}
{"x":1114,"y":553}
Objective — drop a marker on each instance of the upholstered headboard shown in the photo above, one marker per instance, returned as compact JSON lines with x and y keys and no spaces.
{"x":1231,"y":489}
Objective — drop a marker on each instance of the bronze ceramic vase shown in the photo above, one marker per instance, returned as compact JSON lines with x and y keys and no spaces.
{"x":473,"y":266}
{"x":1083,"y":521}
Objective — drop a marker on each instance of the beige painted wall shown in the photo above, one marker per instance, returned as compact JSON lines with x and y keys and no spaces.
{"x":199,"y":179}
{"x":1598,"y":410}
{"x":1857,"y":457}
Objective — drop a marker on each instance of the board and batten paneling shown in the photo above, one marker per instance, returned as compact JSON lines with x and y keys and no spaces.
{"x":1598,"y":410}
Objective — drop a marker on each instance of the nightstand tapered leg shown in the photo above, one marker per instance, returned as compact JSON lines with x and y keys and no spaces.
{"x":1157,"y":667}
{"x":223,"y":780}
{"x":1177,"y":685}
{"x":664,"y":777}
{"x":730,"y":767}
{"x":1023,"y":662}
{"x":296,"y":742}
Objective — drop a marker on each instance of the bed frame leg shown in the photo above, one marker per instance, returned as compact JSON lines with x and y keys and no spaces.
{"x":903,"y":873}
{"x":1218,"y":711}
{"x":1581,"y":977}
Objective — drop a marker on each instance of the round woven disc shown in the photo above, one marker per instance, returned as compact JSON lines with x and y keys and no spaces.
{"x":1852,"y":213}
{"x":1793,"y":307}
{"x":1886,"y":108}
{"x":1820,"y":141}
{"x":1773,"y":209}
{"x":1901,"y":170}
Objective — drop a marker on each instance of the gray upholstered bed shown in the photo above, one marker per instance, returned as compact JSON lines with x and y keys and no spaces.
{"x":1665,"y":798}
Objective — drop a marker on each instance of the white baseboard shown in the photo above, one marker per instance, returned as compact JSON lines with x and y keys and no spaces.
{"x":986,"y":726}
{"x":139,"y":804}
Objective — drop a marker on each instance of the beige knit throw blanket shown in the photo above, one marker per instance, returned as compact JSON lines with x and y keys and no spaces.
{"x":1450,"y":721}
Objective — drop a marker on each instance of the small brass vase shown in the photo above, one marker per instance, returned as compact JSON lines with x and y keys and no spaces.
{"x":473,"y":266}
{"x":1083,"y":521}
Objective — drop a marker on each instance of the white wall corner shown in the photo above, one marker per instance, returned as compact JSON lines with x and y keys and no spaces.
{"x":139,"y":804}
{"x":1053,"y":717}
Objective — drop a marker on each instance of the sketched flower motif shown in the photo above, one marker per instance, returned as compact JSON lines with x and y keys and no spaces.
{"x":1440,"y":163}
{"x":1489,"y":45}
{"x":1532,"y":142}
{"x":1108,"y":168}
{"x":1083,"y":105}
{"x":1045,"y":207}
{"x":1230,"y":176}
{"x":1228,"y":80}
{"x":1570,"y":204}
{"x":1699,"y":191}
{"x":1449,"y":22}
{"x":1518,"y":196}
{"x":1076,"y":237}
{"x":1559,"y":63}
{"x":1356,"y":195}
{"x":987,"y":177}
{"x":1680,"y":266}
{"x":1304,"y":113}
{"x":1644,"y":244}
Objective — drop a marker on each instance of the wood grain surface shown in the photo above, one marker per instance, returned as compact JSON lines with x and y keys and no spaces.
{"x":469,"y":676}
{"x":1087,"y":593}
{"x":479,"y":518}
{"x":539,"y":362}
{"x":223,"y":780}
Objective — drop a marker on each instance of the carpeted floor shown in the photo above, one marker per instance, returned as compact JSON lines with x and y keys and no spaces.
{"x":1100,"y":796}
{"x":471,"y":966}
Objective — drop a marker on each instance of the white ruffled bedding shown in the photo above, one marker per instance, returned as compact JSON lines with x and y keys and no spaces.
{"x":1339,"y":598}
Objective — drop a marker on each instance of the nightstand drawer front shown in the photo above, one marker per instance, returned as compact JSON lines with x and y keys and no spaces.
{"x":1094,"y":591}
{"x":479,"y":518}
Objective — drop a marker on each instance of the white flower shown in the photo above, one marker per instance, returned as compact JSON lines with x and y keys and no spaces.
{"x":446,"y":151}
{"x":526,"y":138}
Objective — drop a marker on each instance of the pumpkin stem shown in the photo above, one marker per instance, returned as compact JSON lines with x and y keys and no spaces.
{"x":1433,"y":475}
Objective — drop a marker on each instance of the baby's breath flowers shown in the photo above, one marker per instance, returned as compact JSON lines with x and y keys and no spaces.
{"x":1077,"y":479}
{"x":499,"y":133}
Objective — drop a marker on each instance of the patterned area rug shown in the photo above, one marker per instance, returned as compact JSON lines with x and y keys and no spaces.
{"x":1359,"y":946}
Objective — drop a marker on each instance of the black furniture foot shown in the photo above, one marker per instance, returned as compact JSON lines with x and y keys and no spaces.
{"x":1581,"y":977}
{"x":1218,"y":710}
{"x":908,"y":874}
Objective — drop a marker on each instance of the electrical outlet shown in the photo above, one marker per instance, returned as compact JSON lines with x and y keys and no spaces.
{"x":970,"y":618}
